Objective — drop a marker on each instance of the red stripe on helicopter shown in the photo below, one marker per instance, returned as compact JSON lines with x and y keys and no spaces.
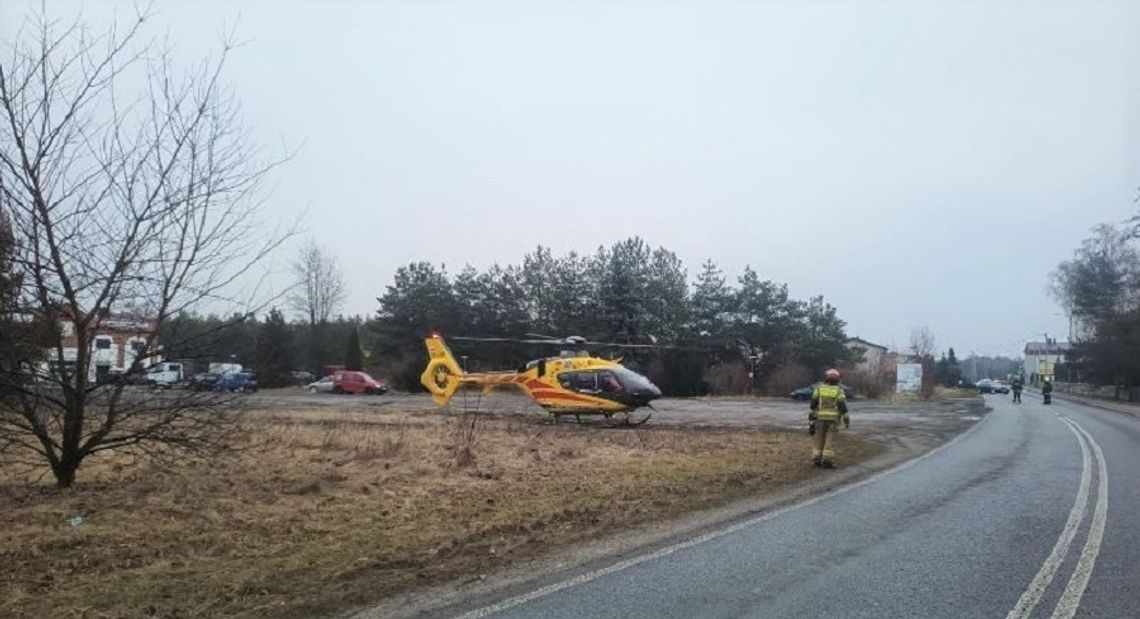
{"x":547,"y":394}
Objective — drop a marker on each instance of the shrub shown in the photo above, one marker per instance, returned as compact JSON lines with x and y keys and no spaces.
{"x":867,"y":384}
{"x":729,"y":378}
{"x":788,"y":378}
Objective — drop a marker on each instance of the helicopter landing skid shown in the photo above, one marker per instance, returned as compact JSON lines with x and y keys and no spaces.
{"x":608,"y":420}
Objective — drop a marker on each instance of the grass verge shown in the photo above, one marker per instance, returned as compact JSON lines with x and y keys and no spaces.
{"x":322,"y":511}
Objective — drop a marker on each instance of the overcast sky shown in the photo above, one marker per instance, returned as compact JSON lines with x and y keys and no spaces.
{"x":918,"y":163}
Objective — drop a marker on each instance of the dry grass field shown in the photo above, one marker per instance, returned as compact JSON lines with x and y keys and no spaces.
{"x":321,"y":511}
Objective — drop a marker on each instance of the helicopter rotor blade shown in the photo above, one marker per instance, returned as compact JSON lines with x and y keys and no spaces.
{"x":502,"y":340}
{"x":543,"y":336}
{"x":575,"y":342}
{"x":647,"y":346}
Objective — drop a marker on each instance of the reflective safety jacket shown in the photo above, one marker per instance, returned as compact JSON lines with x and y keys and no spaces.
{"x":828,"y":402}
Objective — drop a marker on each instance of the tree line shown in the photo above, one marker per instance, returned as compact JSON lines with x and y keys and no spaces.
{"x":713,"y":333}
{"x":1099,"y":287}
{"x":272,"y":346}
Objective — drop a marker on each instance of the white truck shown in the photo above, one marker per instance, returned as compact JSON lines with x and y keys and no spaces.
{"x":218,"y":369}
{"x":165,"y":375}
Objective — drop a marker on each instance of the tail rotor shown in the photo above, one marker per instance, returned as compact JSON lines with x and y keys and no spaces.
{"x":442,"y":377}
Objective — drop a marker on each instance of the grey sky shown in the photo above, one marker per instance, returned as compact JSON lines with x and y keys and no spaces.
{"x":916,"y":163}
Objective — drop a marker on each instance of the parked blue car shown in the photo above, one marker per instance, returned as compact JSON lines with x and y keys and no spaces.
{"x":237,"y":381}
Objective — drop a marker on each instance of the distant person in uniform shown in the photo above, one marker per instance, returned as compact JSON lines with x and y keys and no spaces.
{"x":828,"y":408}
{"x":1016,"y":387}
{"x":1047,"y":390}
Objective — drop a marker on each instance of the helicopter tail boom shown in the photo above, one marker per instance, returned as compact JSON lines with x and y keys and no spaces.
{"x":442,"y":377}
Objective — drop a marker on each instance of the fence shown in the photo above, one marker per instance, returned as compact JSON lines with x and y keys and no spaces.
{"x":1098,"y":391}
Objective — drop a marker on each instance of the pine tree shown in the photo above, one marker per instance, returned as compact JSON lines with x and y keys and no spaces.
{"x":273,"y":356}
{"x":710,"y":302}
{"x":353,"y":359}
{"x":9,"y":279}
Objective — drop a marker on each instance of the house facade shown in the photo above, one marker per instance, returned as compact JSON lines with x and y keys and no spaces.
{"x":118,"y":342}
{"x":1041,"y":358}
{"x":873,"y":355}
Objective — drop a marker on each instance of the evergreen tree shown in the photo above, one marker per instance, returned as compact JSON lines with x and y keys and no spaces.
{"x":627,"y":292}
{"x":941,"y":370}
{"x":353,"y":357}
{"x":574,"y":299}
{"x":20,"y":340}
{"x":710,"y":303}
{"x":9,"y":277}
{"x":538,"y":285}
{"x":953,"y":370}
{"x":273,"y":357}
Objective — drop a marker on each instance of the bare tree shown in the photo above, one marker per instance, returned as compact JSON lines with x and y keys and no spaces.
{"x":132,"y":189}
{"x":922,"y":342}
{"x":922,"y":348}
{"x":318,"y":293}
{"x":320,"y":285}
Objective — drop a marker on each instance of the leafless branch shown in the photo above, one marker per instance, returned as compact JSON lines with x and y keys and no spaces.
{"x":134,"y":201}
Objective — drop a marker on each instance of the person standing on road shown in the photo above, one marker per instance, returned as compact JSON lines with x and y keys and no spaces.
{"x":828,"y":408}
{"x":1047,"y":390}
{"x":1016,"y":388}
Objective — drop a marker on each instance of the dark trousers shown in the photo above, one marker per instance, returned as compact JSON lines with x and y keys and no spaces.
{"x":1016,"y":395}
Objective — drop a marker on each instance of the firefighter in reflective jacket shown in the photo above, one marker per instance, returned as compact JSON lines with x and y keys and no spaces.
{"x":828,"y":408}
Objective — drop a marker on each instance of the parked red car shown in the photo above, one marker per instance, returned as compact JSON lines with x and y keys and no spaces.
{"x":357,"y":382}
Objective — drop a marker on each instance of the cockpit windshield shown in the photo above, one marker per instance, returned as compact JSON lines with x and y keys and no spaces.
{"x":632,"y":380}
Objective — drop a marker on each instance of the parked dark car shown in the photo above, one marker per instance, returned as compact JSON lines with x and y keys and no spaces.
{"x":804,"y":393}
{"x":202,"y":382}
{"x":237,"y":381}
{"x":122,"y":378}
{"x":985,"y":386}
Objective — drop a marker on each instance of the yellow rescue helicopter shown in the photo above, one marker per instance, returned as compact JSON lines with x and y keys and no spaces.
{"x":572,"y":383}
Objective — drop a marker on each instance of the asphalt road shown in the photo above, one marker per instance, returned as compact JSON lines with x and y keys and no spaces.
{"x":1033,"y":513}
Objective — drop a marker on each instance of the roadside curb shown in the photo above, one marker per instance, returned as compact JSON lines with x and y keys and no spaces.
{"x":1095,"y":403}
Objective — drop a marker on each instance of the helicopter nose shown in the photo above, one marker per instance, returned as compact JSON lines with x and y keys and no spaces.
{"x":648,"y":394}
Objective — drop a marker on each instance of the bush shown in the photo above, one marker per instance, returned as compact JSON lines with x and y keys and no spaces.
{"x":402,"y":373}
{"x":729,"y":378}
{"x":867,"y":384}
{"x":679,"y":374}
{"x":788,"y":378}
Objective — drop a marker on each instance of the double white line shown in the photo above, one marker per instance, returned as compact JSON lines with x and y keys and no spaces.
{"x":1071,"y":599}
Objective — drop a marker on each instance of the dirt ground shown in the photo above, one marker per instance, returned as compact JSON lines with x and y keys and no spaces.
{"x":338,"y":503}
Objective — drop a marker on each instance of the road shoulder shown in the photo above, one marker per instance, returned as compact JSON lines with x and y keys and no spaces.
{"x":901,"y":448}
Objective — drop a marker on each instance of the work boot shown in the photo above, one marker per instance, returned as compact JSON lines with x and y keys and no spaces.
{"x":828,"y":464}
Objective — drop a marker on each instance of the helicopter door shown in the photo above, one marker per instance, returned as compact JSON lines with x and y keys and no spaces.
{"x":582,"y":382}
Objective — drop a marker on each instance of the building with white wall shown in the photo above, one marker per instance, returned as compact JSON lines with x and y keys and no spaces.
{"x":118,"y":342}
{"x":873,"y":353}
{"x":1041,"y":358}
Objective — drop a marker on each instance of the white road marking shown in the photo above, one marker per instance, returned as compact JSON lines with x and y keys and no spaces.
{"x":1079,"y":581}
{"x":1028,"y":600}
{"x":519,"y":600}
